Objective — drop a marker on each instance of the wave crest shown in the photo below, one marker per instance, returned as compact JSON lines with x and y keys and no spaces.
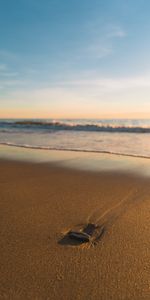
{"x":58,"y":125}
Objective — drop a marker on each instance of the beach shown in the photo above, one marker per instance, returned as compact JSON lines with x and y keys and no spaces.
{"x":75,"y":150}
{"x":41,"y":202}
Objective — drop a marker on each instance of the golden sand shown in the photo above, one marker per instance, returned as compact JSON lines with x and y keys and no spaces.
{"x":39,"y":203}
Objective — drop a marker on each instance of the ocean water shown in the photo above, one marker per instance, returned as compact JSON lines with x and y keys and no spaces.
{"x":122,"y":137}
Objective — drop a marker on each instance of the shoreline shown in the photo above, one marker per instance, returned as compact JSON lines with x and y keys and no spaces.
{"x":75,"y":150}
{"x":78,"y":160}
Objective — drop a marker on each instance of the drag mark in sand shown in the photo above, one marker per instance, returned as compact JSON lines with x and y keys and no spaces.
{"x":91,"y":232}
{"x":114,"y":211}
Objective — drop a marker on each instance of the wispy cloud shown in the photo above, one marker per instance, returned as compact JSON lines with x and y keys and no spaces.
{"x":116,"y":32}
{"x":81,"y":98}
{"x":5,"y":54}
{"x":101,"y":40}
{"x":6,"y":73}
{"x":9,"y":74}
{"x":79,"y":89}
{"x":98,"y":50}
{"x":110,"y":84}
{"x":3,"y":67}
{"x":6,"y":76}
{"x":12,"y":83}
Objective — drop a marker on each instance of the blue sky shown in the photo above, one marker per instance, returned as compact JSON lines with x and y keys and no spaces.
{"x":74,"y":58}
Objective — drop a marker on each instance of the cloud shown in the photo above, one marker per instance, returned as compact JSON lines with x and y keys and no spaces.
{"x":100,"y":42}
{"x":77,"y":89}
{"x":110,"y":84}
{"x":80,"y":90}
{"x":5,"y":70}
{"x":116,"y":32}
{"x":49,"y":101}
{"x":98,"y":50}
{"x":4,"y":83}
{"x":5,"y":54}
{"x":54,"y":94}
{"x":3,"y":67}
{"x":9,"y":74}
{"x":81,"y":98}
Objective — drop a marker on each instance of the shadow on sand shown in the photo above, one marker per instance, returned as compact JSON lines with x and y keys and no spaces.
{"x":76,"y":238}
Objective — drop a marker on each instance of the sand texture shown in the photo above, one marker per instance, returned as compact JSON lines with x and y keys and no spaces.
{"x":40,"y":203}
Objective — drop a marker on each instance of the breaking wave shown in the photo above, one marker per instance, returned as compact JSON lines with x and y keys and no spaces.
{"x":70,"y":126}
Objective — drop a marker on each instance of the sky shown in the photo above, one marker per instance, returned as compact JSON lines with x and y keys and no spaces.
{"x":74,"y":59}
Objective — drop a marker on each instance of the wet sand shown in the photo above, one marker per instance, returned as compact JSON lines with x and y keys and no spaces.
{"x":40,"y":203}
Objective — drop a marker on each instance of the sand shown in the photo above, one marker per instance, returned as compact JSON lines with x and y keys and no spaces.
{"x":39,"y":203}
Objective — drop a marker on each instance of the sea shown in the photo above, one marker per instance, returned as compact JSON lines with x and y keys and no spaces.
{"x":129,"y":137}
